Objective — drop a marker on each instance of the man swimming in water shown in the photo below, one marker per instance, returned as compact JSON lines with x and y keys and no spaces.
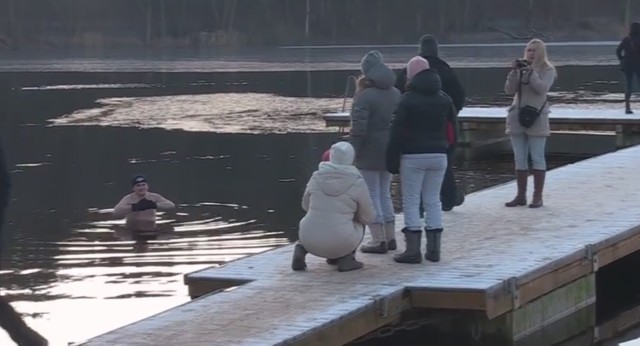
{"x":139,"y":207}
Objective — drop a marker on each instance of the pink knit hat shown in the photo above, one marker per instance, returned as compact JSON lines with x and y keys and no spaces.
{"x":326,"y":156}
{"x":415,"y":65}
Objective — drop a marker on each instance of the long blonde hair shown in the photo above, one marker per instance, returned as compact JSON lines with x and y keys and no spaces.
{"x":363,"y":83}
{"x":540,"y":60}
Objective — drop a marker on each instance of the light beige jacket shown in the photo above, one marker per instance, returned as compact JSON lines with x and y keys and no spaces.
{"x":338,"y":207}
{"x":141,"y":220}
{"x":535,"y":89}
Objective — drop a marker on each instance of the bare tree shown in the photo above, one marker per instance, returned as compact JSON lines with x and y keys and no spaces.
{"x":627,"y":13}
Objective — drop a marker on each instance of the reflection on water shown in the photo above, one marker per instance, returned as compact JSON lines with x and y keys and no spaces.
{"x":68,"y":260}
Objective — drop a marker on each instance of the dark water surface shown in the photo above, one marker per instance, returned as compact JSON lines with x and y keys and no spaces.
{"x":71,"y":268}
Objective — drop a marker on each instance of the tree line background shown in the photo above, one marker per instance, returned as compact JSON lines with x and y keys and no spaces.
{"x":179,"y":23}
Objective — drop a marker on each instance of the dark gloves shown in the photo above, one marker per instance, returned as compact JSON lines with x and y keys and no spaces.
{"x":144,"y":204}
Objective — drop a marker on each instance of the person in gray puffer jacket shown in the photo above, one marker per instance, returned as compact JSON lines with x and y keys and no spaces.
{"x":375,"y":101}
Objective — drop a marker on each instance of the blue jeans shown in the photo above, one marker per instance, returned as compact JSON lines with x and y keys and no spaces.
{"x":379,"y":184}
{"x":421,"y":175}
{"x":524,"y":145}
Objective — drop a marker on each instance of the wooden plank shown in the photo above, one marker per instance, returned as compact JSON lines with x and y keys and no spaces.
{"x":556,"y":305}
{"x":448,"y":299}
{"x":559,"y":115}
{"x":198,"y":288}
{"x":618,"y":250}
{"x":557,"y":278}
{"x":352,"y":326}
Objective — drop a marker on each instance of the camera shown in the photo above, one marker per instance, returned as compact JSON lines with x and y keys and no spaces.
{"x":522,"y":63}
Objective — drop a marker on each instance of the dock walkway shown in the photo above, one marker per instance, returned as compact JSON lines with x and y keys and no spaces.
{"x":535,"y":264}
{"x":479,"y":126}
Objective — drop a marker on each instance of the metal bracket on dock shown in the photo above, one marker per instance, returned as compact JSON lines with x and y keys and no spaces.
{"x":382,"y":303}
{"x":512,"y":287}
{"x":589,"y":255}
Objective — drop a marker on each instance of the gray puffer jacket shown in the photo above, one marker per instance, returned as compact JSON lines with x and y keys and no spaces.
{"x":371,"y":113}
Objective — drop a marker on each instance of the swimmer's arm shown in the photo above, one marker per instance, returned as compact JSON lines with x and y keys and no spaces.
{"x":123,"y":207}
{"x":163,"y":203}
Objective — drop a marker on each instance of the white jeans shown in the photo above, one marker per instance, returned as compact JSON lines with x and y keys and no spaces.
{"x":379,"y":184}
{"x":422,"y":175}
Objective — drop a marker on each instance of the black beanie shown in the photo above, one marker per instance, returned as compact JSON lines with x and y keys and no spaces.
{"x":428,"y":46}
{"x":137,"y":179}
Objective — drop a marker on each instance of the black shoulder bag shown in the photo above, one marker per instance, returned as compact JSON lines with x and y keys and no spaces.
{"x":527,"y":115}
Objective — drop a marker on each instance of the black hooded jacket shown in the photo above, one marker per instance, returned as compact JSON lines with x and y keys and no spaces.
{"x":419,"y":124}
{"x":450,"y":83}
{"x":628,"y":51}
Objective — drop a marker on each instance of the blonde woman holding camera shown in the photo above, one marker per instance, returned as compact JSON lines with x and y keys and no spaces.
{"x":527,"y":122}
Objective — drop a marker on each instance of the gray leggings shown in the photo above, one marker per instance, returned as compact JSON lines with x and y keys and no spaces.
{"x":379,"y":184}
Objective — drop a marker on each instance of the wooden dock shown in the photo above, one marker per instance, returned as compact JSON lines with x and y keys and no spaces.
{"x":479,"y":126}
{"x":515,"y":270}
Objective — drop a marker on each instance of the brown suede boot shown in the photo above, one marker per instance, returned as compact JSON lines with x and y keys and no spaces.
{"x":538,"y":187}
{"x":521,"y":197}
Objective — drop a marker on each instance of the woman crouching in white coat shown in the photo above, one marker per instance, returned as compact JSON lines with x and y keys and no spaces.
{"x":338,"y":207}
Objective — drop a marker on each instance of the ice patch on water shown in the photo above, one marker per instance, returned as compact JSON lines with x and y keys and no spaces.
{"x":224,"y":113}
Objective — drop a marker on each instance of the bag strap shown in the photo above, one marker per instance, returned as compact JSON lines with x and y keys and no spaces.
{"x":519,"y":87}
{"x":520,"y":94}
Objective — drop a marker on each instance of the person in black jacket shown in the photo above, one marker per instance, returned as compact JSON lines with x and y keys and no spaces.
{"x":10,"y":320}
{"x":449,"y":195}
{"x":417,"y":151}
{"x":628,"y":52}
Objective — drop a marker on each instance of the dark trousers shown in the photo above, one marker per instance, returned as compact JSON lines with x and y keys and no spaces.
{"x":448,"y":191}
{"x":629,"y":74}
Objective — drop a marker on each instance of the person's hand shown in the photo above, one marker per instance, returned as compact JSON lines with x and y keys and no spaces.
{"x":146,"y":204}
{"x":135,"y":206}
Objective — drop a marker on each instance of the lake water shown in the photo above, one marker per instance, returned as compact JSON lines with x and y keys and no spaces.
{"x":231,"y":146}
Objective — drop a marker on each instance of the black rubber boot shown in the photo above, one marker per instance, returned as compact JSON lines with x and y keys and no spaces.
{"x":412,"y":252}
{"x":433,"y":244}
{"x":298,"y":261}
{"x":348,"y":263}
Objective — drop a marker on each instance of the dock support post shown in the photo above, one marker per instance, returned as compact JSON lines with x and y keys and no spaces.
{"x":562,"y":313}
{"x":627,"y":136}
